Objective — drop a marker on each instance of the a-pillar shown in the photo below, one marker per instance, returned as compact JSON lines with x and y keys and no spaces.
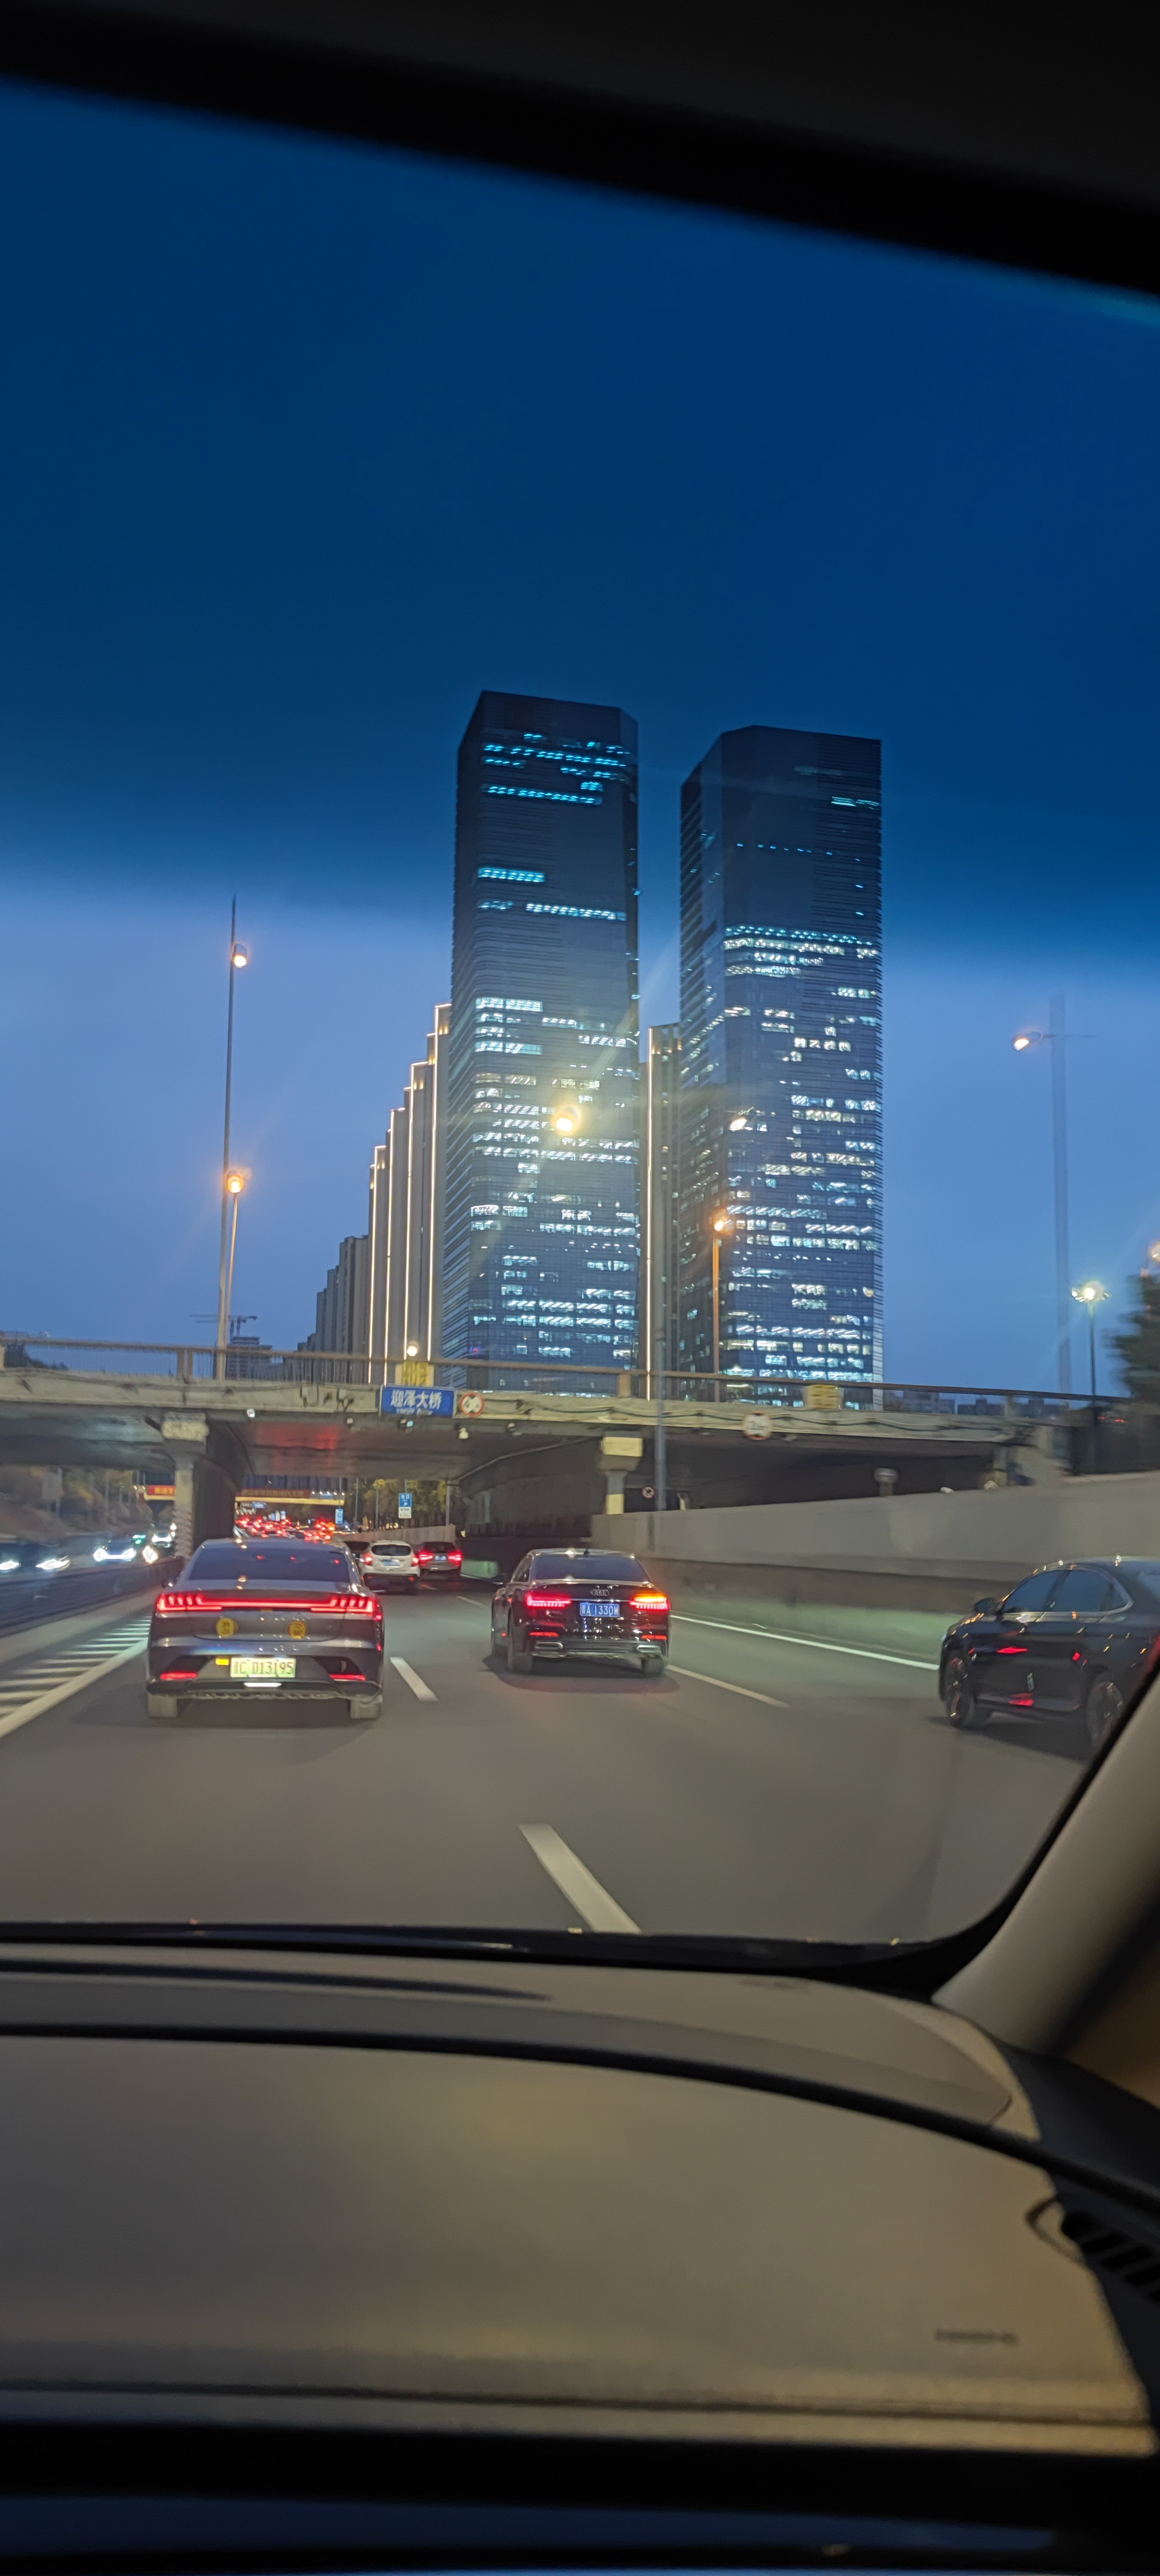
{"x":616,"y":1454}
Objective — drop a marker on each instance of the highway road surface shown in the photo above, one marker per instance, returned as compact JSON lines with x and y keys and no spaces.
{"x":799,"y":1783}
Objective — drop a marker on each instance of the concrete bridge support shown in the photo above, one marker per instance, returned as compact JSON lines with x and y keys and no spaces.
{"x":209,"y":1471}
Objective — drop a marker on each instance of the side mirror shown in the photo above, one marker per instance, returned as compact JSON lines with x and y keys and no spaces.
{"x":986,"y":1608}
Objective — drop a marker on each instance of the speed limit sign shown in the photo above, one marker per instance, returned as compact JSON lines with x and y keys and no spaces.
{"x":472,"y":1402}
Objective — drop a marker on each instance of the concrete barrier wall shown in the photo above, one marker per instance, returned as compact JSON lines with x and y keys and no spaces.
{"x":915,"y":1551}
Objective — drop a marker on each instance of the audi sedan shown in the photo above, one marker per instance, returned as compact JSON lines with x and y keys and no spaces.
{"x":564,"y":1601}
{"x":266,"y":1618}
{"x":1071,"y":1641}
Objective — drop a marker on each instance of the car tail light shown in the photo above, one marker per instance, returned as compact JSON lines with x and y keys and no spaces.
{"x":456,"y":1556}
{"x":189,"y":1601}
{"x":650,"y":1601}
{"x":354,"y":1605}
{"x":547,"y":1600}
{"x":188,"y":1673}
{"x":424,"y":1555}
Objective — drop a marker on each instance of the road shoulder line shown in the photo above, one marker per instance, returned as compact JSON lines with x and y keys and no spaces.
{"x":820,"y":1645}
{"x":67,"y":1690}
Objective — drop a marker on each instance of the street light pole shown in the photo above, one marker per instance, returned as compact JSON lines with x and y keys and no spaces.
{"x":1091,"y":1295}
{"x":1055,"y":1037}
{"x":1058,"y":1042}
{"x":721,"y":1225}
{"x":239,"y":956}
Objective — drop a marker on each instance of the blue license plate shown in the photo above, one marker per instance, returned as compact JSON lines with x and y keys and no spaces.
{"x":600,"y":1609}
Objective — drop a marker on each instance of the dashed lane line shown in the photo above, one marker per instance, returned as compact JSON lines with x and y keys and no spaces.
{"x":592,"y":1902}
{"x":821,"y":1645}
{"x":413,"y":1680}
{"x":23,"y":1699}
{"x":714,"y":1679}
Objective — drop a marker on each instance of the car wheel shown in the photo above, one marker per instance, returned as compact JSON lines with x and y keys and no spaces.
{"x":518,"y":1658}
{"x":959,"y":1700}
{"x":1103,"y":1708}
{"x":160,"y":1704}
{"x":653,"y":1666}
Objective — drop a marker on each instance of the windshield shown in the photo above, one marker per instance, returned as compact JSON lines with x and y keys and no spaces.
{"x":577,"y":822}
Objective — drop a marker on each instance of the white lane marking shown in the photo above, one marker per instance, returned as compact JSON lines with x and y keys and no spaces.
{"x":822,"y":1645}
{"x":715,"y":1679}
{"x":411,"y":1679}
{"x":593,"y":1903}
{"x":79,"y":1681}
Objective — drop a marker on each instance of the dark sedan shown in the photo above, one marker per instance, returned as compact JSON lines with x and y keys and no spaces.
{"x":1071,"y":1641}
{"x":564,"y":1601}
{"x":266,"y":1617}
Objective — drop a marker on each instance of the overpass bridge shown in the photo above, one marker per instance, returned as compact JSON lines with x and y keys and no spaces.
{"x":542,"y":1451}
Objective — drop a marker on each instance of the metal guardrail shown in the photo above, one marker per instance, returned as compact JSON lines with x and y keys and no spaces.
{"x":199,"y":1363}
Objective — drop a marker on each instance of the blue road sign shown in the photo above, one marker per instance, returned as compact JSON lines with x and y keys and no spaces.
{"x":418,"y":1399}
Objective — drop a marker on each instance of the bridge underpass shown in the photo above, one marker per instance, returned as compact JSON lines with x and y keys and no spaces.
{"x":518,"y":1460}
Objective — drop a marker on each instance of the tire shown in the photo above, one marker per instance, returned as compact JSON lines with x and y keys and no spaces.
{"x":654,"y":1667}
{"x":518,"y":1658}
{"x":1102,"y":1710}
{"x":160,"y":1704}
{"x":959,"y":1700}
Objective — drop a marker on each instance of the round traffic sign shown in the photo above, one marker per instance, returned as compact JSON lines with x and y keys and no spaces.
{"x":758,"y":1426}
{"x":472,"y":1402}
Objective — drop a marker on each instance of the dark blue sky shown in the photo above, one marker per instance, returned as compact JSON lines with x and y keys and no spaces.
{"x":302,"y":446}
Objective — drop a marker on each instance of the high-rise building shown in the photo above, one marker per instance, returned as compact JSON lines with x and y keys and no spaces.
{"x":542,"y":1244}
{"x":659,"y":1215}
{"x":781,"y":1054}
{"x":407,"y":1189}
{"x":340,"y":1322}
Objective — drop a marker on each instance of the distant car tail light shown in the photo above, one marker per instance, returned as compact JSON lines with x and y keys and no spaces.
{"x":547,"y":1600}
{"x":456,"y":1556}
{"x":424,"y":1555}
{"x":650,"y":1601}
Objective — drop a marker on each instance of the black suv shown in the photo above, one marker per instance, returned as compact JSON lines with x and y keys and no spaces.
{"x":1071,"y":1641}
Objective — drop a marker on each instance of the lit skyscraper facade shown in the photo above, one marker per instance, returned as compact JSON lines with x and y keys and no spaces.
{"x":541,"y":1228}
{"x":781,"y":1121}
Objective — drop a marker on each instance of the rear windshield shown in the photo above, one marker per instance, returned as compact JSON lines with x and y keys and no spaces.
{"x":580,"y":1561}
{"x":224,"y":1561}
{"x":393,"y":1547}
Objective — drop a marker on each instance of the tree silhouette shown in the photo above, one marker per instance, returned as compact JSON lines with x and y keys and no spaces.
{"x":1139,"y":1347}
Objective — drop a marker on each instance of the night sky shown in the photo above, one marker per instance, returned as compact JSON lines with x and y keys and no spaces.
{"x":301,"y":446}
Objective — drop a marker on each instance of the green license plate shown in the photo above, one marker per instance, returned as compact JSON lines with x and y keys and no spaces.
{"x":262,"y":1668}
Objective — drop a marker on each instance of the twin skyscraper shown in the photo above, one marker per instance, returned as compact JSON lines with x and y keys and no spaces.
{"x":543,"y":1196}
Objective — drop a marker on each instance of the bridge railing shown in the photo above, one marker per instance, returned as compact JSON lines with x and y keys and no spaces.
{"x":188,"y":1363}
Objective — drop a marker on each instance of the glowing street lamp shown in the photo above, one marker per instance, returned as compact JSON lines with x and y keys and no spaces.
{"x":567,"y":1122}
{"x":1091,"y":1295}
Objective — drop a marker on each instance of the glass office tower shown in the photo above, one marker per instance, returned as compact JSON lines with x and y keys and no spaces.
{"x":541,"y":1207}
{"x":781,"y":1054}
